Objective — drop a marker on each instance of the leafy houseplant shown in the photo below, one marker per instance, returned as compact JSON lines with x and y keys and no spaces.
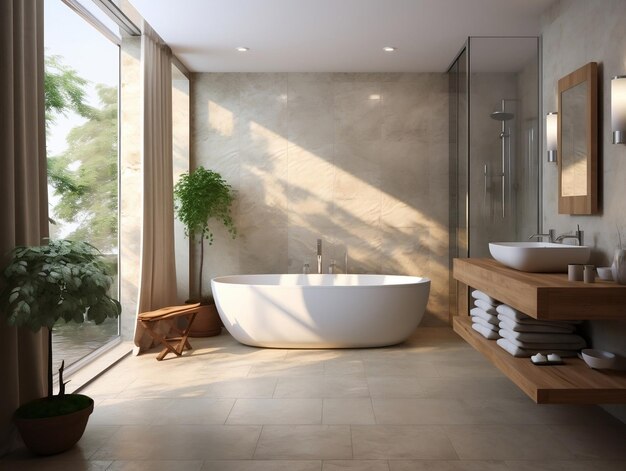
{"x":200,"y":196}
{"x":62,"y":280}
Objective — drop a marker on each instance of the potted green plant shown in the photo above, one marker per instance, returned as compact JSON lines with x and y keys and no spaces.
{"x":199,"y":196}
{"x":61,"y":280}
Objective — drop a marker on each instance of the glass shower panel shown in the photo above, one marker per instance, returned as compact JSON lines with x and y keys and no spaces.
{"x":503,"y":118}
{"x":458,"y":128}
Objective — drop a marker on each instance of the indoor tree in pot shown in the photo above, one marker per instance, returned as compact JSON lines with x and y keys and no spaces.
{"x":200,"y":196}
{"x":61,"y":280}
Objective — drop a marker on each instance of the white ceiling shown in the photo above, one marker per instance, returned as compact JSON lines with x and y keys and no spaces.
{"x":332,"y":35}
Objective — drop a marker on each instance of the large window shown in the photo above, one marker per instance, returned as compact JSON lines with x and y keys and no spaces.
{"x":82,"y":85}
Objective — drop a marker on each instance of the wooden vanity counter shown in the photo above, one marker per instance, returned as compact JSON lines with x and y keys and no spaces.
{"x":546,"y":296}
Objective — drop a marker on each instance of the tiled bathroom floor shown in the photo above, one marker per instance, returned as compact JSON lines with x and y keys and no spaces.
{"x":432,"y":404}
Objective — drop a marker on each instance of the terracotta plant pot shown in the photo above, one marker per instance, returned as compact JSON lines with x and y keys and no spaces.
{"x":52,"y":435}
{"x":207,"y":323}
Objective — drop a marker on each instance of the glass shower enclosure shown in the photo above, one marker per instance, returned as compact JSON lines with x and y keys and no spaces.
{"x":494,"y":85}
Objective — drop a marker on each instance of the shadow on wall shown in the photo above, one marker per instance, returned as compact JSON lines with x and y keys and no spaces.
{"x":358,"y":160}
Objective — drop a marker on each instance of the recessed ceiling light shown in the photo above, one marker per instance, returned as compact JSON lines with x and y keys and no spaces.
{"x":389,"y":49}
{"x":243,"y":49}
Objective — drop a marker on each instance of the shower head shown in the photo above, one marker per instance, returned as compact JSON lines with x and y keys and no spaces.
{"x":501,"y":116}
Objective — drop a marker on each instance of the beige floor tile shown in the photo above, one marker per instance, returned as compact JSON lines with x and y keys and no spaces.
{"x":276,"y":411}
{"x":325,"y":442}
{"x":400,"y":367}
{"x":263,"y":465}
{"x":356,"y":410}
{"x":393,"y":442}
{"x":128,"y":411}
{"x":180,"y":442}
{"x":152,"y":465}
{"x":466,"y":388}
{"x":467,"y":369}
{"x":593,"y":442}
{"x":321,"y":355}
{"x":242,"y":387}
{"x":196,"y":410}
{"x":287,"y":368}
{"x":79,"y":455}
{"x":447,"y":466}
{"x":580,"y":465}
{"x":395,"y":386}
{"x":37,"y":463}
{"x":358,"y":465}
{"x":506,"y":442}
{"x":429,"y":411}
{"x":342,"y":366}
{"x":496,"y":410}
{"x":322,"y":387}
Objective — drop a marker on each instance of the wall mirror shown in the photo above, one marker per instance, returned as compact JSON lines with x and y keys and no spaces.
{"x":578,"y":141}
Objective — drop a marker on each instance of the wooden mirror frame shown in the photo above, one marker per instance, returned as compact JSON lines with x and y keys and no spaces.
{"x":587,"y":204}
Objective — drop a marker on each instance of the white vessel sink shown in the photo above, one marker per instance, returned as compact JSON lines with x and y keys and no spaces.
{"x":539,"y":257}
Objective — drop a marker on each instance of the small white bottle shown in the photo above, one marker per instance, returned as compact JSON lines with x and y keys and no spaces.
{"x":332,"y":267}
{"x":305,"y":269}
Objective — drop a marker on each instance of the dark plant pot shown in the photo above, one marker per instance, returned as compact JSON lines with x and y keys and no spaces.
{"x":52,"y":435}
{"x":207,"y":322}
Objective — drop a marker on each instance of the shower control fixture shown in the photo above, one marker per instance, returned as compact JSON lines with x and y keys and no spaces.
{"x":503,"y":116}
{"x":319,"y":256}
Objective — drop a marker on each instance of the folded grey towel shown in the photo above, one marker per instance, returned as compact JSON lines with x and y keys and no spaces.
{"x":545,"y":338}
{"x":576,"y":344}
{"x":478,"y":312}
{"x":537,"y":326}
{"x":523,"y":353}
{"x":486,"y":324}
{"x":485,"y":306}
{"x":485,"y":297}
{"x":485,"y":332}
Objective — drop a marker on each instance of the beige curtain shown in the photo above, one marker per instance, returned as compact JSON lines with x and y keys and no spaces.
{"x":23,"y":192}
{"x":158,"y":269}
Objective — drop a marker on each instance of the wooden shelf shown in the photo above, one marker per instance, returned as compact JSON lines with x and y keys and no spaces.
{"x":572,"y":383}
{"x":547,"y":296}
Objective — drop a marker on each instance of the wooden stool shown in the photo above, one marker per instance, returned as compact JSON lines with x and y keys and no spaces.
{"x":173,"y":344}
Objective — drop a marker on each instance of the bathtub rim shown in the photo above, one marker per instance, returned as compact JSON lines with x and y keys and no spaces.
{"x":417,"y":280}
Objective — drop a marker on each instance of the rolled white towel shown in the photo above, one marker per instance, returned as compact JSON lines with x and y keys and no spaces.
{"x":484,"y":323}
{"x":516,"y":351}
{"x":539,"y":346}
{"x":485,"y":306}
{"x":539,"y":326}
{"x":485,"y":332}
{"x":478,"y":312}
{"x":485,"y":297}
{"x":512,"y":313}
{"x":533,"y":337}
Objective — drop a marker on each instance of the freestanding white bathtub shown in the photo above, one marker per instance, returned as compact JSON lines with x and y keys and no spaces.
{"x":320,"y":311}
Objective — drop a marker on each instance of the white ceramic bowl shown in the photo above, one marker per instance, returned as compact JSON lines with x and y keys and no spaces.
{"x":605,"y":273}
{"x":599,"y":359}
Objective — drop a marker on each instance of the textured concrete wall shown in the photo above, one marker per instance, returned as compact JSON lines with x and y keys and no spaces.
{"x":574,"y":33}
{"x":358,"y":160}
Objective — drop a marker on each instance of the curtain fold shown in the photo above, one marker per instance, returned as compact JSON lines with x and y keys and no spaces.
{"x":158,"y":269}
{"x":23,"y":192}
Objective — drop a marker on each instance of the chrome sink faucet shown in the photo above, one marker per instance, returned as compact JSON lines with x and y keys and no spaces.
{"x":319,"y":256}
{"x":551,"y":235}
{"x":578,"y":235}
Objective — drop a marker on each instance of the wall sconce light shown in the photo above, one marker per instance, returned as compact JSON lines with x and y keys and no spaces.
{"x":618,"y":109}
{"x":552,"y":135}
